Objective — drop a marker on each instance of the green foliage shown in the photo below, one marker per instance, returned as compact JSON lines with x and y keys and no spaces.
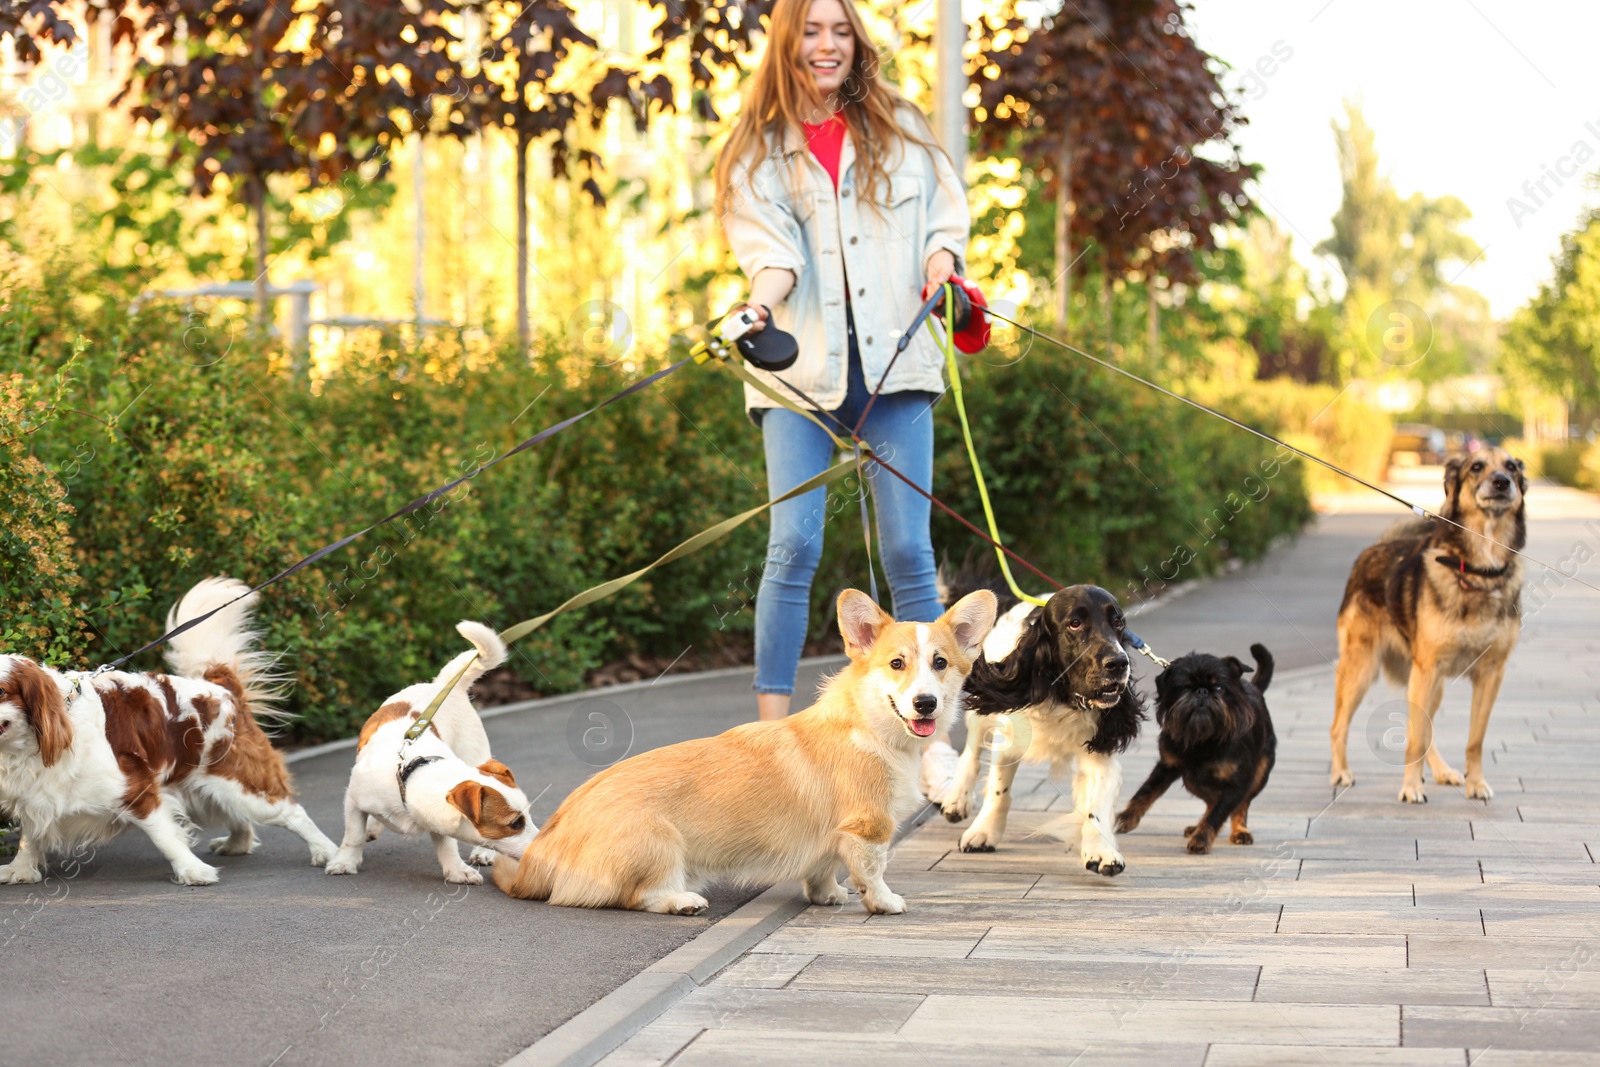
{"x":39,"y":613}
{"x":1319,"y":419}
{"x":1553,"y":342}
{"x":1576,"y":464}
{"x":1391,"y":248}
{"x":205,"y":458}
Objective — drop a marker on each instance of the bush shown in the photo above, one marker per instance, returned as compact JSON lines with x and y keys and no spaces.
{"x":176,"y":453}
{"x":1576,"y":464}
{"x":1322,"y":420}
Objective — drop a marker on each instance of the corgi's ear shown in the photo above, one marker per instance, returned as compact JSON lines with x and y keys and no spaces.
{"x":860,"y":622}
{"x":44,"y":707}
{"x":467,"y":798}
{"x":970,"y":619}
{"x":493,"y":768}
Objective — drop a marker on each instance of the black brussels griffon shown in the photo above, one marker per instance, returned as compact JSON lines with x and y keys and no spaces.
{"x":1216,"y":734}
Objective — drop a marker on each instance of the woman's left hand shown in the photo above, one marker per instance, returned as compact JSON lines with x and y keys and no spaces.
{"x":941,"y":265}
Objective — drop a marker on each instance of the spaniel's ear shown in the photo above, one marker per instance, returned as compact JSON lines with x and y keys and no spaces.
{"x":1038,"y":653}
{"x":1452,"y":486}
{"x":467,"y":798}
{"x":860,"y":622}
{"x":45,"y":709}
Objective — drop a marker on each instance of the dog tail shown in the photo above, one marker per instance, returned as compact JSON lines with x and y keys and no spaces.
{"x":225,"y":640}
{"x":1263,"y":675}
{"x":526,"y":879}
{"x":955,"y":582}
{"x":487,"y":647}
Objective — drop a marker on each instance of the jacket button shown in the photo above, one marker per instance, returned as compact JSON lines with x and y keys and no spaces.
{"x":869,"y":340}
{"x":861,"y":292}
{"x":852,"y":240}
{"x":845,"y":195}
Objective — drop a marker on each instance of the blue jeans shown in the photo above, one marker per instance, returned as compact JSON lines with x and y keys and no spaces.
{"x":900,"y":426}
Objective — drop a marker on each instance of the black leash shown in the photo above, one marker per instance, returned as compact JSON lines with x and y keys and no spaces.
{"x":1302,"y":453}
{"x":405,"y":509}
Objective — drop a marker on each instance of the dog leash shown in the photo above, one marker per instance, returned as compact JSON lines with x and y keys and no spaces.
{"x":1417,"y":509}
{"x":947,"y":342}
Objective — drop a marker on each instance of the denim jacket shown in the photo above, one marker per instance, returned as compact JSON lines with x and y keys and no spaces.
{"x":786,"y":214}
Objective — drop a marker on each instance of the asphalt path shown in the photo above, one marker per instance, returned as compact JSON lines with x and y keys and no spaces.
{"x":108,"y":962}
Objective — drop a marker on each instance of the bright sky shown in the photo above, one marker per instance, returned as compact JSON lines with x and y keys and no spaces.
{"x":1471,"y":98}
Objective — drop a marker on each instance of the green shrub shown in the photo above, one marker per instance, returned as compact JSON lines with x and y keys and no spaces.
{"x":205,"y":457}
{"x":1574,"y":464}
{"x":1320,"y":419}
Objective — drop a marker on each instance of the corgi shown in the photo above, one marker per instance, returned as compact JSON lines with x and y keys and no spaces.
{"x":769,"y":802}
{"x":444,"y":783}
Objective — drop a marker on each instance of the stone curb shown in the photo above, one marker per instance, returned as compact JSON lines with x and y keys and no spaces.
{"x":596,"y":1031}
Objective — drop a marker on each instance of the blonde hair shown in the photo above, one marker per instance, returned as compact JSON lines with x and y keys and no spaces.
{"x":782,"y":95}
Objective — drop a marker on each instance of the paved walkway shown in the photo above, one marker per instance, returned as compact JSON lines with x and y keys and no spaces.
{"x":1356,"y":930}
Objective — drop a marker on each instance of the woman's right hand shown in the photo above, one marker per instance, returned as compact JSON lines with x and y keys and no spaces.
{"x":760,"y":313}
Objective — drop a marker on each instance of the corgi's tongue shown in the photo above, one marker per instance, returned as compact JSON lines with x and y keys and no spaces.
{"x":923,"y":727}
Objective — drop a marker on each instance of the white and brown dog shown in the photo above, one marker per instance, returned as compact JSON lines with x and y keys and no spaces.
{"x":444,"y":783}
{"x":83,"y":757}
{"x":768,"y":802}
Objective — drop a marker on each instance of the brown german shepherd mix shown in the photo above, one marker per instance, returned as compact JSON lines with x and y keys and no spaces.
{"x":767,"y":802}
{"x":1432,"y":601}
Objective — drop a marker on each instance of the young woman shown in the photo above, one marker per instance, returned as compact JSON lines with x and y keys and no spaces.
{"x":842,"y":211}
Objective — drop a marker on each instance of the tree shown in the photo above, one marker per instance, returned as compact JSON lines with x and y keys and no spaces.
{"x":1393,"y":249}
{"x":253,"y":89}
{"x":1554,"y":340}
{"x":1123,"y":111}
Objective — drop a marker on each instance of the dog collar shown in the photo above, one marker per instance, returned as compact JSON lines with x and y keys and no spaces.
{"x":405,"y":772}
{"x":1463,"y":568}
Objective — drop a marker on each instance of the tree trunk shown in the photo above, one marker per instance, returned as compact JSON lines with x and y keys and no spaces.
{"x":262,"y":300}
{"x":1063,"y":233}
{"x":524,"y":328}
{"x":1153,"y":321}
{"x":1107,"y":306}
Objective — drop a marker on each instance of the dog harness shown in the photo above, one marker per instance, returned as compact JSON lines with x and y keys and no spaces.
{"x":405,"y":772}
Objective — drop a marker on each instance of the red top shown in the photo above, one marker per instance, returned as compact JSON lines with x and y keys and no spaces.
{"x":827,"y":141}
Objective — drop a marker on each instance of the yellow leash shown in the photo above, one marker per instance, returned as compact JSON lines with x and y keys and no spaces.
{"x":947,"y":342}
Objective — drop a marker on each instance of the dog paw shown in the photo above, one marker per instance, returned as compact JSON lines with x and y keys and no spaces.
{"x":885,"y":903}
{"x":1242,"y":837}
{"x":374,"y":829}
{"x":1478,"y":789}
{"x":1448,"y":776}
{"x":1199,"y":844}
{"x":681,"y":904}
{"x":320,"y":855}
{"x":481,"y":857}
{"x":12,"y":874}
{"x":464,"y":876}
{"x":195,"y":873}
{"x":1127,"y":822}
{"x":827,"y":896}
{"x":343,"y":864}
{"x":979,"y":839}
{"x":1103,"y":860}
{"x":957,"y":808}
{"x":234,"y":845}
{"x":1341,"y":776}
{"x":1187,"y":830}
{"x":1412,"y":793}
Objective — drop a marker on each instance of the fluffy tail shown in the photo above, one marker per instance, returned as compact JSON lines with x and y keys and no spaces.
{"x":226,"y":639}
{"x":526,"y":879}
{"x":490,"y":650}
{"x":1263,"y":676}
{"x":972,"y":575}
